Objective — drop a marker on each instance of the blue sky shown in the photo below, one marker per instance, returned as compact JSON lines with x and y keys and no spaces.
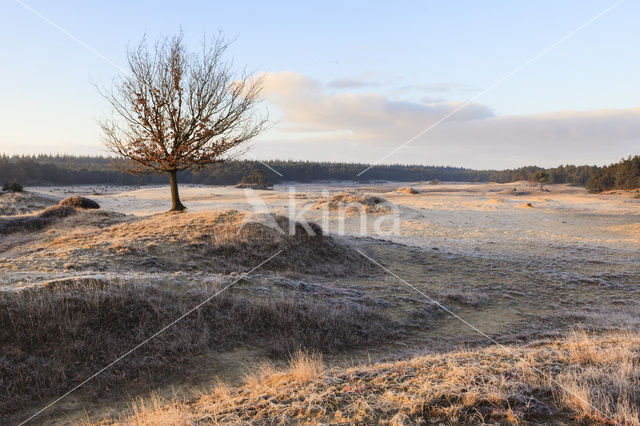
{"x":350,"y":81}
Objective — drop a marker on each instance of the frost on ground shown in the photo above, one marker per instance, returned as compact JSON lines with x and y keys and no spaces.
{"x":518,"y":263}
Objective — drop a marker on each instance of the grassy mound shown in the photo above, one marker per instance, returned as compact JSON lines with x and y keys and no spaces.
{"x":35,"y":222}
{"x":53,"y":338}
{"x":581,"y":379}
{"x":19,"y":203}
{"x":357,"y":203}
{"x":256,"y":180}
{"x":213,"y":241}
{"x":407,"y":190}
{"x":80,"y":202}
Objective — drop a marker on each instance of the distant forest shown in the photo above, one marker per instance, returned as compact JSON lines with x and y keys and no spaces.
{"x":622,"y":175}
{"x":85,"y":170}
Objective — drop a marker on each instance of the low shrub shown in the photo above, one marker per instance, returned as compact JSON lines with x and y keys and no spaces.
{"x":12,"y":187}
{"x":256,"y":180}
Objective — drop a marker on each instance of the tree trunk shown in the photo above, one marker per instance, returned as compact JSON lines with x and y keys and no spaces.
{"x":176,"y":205}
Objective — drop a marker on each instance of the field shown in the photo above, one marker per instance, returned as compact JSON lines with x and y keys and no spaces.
{"x":456,"y":302}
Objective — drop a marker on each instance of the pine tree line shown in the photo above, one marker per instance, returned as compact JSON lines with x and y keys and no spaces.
{"x":91,"y":170}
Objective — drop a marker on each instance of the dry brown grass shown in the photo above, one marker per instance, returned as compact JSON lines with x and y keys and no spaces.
{"x":54,"y":337}
{"x":548,"y":382}
{"x":305,"y":367}
{"x":609,"y":378}
{"x":158,"y":412}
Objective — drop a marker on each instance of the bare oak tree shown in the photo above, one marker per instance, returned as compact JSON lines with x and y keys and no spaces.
{"x":177,"y":110}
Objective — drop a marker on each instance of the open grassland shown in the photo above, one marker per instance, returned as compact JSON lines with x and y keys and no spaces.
{"x":524,"y":266}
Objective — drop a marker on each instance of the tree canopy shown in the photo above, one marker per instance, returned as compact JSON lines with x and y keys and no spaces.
{"x":175,"y":110}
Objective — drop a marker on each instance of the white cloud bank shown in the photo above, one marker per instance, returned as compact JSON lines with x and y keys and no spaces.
{"x":320,"y":124}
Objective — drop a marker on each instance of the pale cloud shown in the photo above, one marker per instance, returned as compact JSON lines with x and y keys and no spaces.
{"x":441,"y":87}
{"x":305,"y":106}
{"x":365,"y":126}
{"x":350,"y":83}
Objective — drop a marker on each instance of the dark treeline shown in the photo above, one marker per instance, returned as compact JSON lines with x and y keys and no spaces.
{"x":622,"y":175}
{"x":85,"y":170}
{"x":78,"y":170}
{"x":576,"y":175}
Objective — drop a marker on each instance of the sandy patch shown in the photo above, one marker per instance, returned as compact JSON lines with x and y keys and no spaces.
{"x":631,"y":230}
